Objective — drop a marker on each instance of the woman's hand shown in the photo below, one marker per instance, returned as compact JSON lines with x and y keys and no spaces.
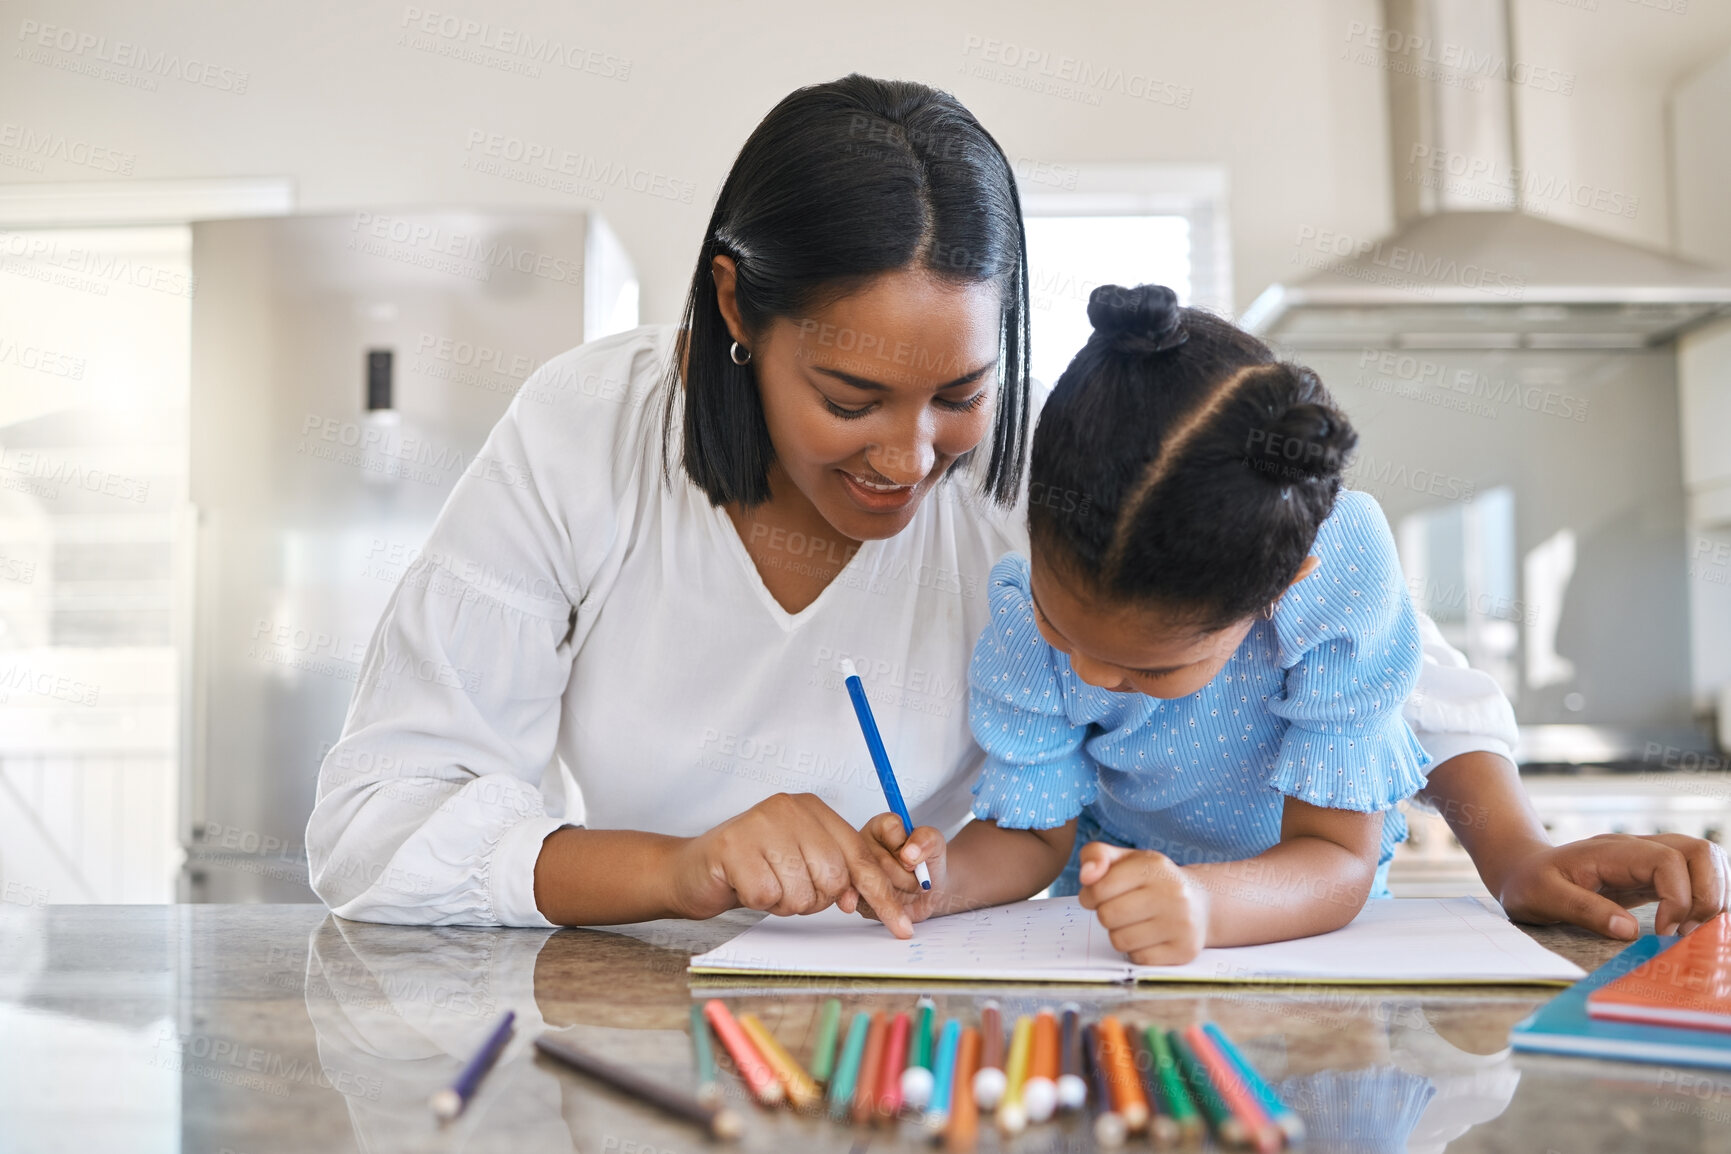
{"x":1151,"y":909}
{"x":897,"y":853}
{"x":1590,"y":882}
{"x":788,"y":854}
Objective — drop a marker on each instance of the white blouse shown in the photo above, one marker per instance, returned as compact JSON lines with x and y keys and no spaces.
{"x":583,"y":642}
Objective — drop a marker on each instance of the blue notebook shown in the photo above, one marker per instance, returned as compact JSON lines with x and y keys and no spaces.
{"x":1562,"y":1026}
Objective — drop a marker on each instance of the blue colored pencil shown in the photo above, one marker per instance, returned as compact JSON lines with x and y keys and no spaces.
{"x":943,"y":1075}
{"x":881,"y":760}
{"x":1279,"y":1112}
{"x":450,"y":1102}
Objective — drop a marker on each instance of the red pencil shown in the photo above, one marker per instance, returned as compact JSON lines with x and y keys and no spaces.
{"x":1239,"y":1098}
{"x":865,"y":1090}
{"x":759,"y":1077}
{"x":895,"y":1060}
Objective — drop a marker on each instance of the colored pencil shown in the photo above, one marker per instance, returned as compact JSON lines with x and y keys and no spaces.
{"x":1072,"y":1088}
{"x":1172,"y":1090}
{"x":1109,"y":1128}
{"x":703,"y":1057}
{"x":1282,"y":1115}
{"x":1040,"y":1091}
{"x":1227,"y":1128}
{"x":964,"y":1125}
{"x":1265,"y":1136}
{"x":943,"y":1075}
{"x":1012,"y":1111}
{"x":1162,"y":1126}
{"x":866,"y":1086}
{"x":718,"y":1122}
{"x":841,"y":1086}
{"x":989,"y":1081}
{"x":828,"y":1033}
{"x":881,"y":759}
{"x":454,"y":1099}
{"x":917,"y":1078}
{"x":802,"y":1092}
{"x":1127,"y":1096}
{"x":889,"y":1103}
{"x":759,"y":1078}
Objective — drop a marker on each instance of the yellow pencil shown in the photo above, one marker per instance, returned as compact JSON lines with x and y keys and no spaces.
{"x":802,"y":1091}
{"x":1012,"y":1113}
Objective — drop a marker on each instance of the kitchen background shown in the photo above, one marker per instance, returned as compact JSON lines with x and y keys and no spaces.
{"x":268,"y":273}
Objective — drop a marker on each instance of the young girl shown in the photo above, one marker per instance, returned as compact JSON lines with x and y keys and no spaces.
{"x":1198,"y":677}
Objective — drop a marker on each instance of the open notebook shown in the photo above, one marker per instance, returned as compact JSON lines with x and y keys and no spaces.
{"x":1440,"y":941}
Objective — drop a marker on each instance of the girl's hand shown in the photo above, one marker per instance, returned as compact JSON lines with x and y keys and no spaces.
{"x":1590,"y":882}
{"x":896,"y":854}
{"x":1151,"y":909}
{"x":788,"y":854}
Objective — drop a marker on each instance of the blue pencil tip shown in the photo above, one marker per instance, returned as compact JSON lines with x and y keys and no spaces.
{"x":925,"y":885}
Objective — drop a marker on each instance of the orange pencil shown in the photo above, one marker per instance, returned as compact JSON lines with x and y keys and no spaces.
{"x":1239,"y":1099}
{"x":895,"y":1060}
{"x":964,"y":1124}
{"x":1040,"y":1093}
{"x":759,"y":1078}
{"x":802,"y":1092}
{"x":865,"y":1090}
{"x":1128,"y":1099}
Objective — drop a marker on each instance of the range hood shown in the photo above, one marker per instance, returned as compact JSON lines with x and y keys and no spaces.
{"x":1467,"y":269}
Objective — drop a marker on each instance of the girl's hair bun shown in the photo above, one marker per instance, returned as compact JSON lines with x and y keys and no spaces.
{"x":1298,"y":434}
{"x":1144,"y":319}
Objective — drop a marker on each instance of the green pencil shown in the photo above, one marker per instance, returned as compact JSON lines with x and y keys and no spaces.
{"x":847,"y":1068}
{"x":708,"y":1083}
{"x":1227,"y":1128}
{"x":1177,"y":1099}
{"x":823,"y":1052}
{"x":917,"y":1075}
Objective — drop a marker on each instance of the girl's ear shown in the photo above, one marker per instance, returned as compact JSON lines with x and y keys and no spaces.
{"x":1310,"y":566}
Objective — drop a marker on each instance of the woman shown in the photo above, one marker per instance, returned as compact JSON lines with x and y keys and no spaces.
{"x":636,"y":620}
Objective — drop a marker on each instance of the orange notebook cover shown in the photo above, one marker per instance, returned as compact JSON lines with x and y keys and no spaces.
{"x":1687,"y":985}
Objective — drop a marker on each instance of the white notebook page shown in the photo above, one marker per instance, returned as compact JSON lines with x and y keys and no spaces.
{"x":1393,"y":940}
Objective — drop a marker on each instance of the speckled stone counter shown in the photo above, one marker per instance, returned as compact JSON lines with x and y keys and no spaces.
{"x":252,"y":1029}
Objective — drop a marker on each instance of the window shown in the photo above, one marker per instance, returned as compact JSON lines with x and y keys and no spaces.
{"x":1090,"y":225}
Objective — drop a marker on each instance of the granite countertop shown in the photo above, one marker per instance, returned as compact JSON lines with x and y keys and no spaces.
{"x":253,"y":1029}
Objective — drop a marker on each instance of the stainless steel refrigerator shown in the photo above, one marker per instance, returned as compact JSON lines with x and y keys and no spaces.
{"x":345,"y":371}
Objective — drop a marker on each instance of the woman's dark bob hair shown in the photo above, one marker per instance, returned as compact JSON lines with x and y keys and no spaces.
{"x":841,"y":182}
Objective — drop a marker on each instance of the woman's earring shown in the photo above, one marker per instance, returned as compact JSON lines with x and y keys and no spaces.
{"x":740,"y":356}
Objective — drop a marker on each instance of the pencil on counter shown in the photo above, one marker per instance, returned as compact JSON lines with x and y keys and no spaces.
{"x":454,"y":1099}
{"x":866,"y":1085}
{"x":823,"y":1049}
{"x":1040,"y":1091}
{"x":841,"y":1086}
{"x":1012,"y":1111}
{"x":1109,"y":1128}
{"x":964,"y":1125}
{"x":1162,"y":1124}
{"x":718,"y":1122}
{"x":1172,"y":1091}
{"x":1127,"y":1096}
{"x":944,"y":1076}
{"x":889,"y":1103}
{"x":1264,"y":1135}
{"x":703,"y":1057}
{"x":917,"y":1078}
{"x":989,"y":1081}
{"x":1072,"y":1088}
{"x":1282,"y":1115}
{"x":752,"y":1067}
{"x":1228,"y":1129}
{"x":802,"y":1093}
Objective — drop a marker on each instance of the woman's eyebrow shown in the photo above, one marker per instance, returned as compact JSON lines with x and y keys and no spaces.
{"x":879,"y":387}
